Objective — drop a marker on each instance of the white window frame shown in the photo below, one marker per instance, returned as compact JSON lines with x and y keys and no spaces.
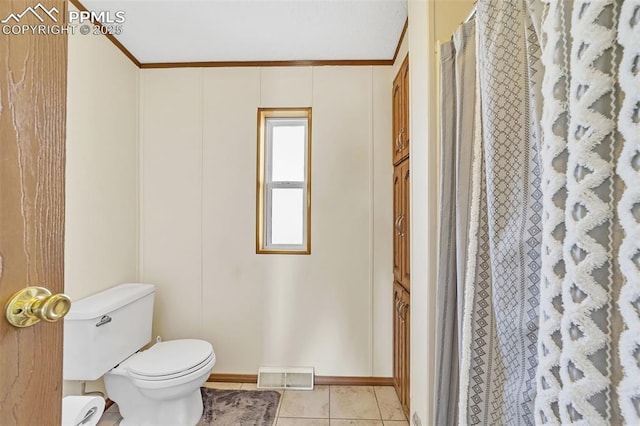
{"x":268,"y":119}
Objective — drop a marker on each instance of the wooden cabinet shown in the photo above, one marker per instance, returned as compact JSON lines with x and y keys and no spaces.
{"x":401,"y":240}
{"x":400,"y":119}
{"x":397,"y":212}
{"x":401,"y":227}
{"x":401,"y":354}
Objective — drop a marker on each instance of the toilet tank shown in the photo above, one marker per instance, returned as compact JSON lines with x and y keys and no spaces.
{"x":104,"y":329}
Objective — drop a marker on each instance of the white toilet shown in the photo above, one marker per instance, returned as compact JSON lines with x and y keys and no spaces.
{"x":159,"y":386}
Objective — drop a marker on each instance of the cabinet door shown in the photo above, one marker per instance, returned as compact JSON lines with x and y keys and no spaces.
{"x":404,"y":128}
{"x":401,"y":344}
{"x":405,"y":321}
{"x":398,"y":118}
{"x":404,"y":226}
{"x":398,"y":258}
{"x":398,"y":356}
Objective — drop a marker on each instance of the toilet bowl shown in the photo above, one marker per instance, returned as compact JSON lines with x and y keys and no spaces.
{"x":161,"y":386}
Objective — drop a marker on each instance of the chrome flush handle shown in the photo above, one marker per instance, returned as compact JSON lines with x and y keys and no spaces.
{"x":106,"y":319}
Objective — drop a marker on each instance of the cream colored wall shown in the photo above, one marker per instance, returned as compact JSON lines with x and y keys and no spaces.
{"x":101,"y":235}
{"x":429,"y":21}
{"x":448,"y":15}
{"x":422,"y":300}
{"x":330,"y":310}
{"x":101,"y":230}
{"x":382,"y":232}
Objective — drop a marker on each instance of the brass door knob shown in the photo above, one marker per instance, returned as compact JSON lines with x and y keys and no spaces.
{"x":32,"y":304}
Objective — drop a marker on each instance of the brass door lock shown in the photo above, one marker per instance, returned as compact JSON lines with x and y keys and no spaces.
{"x":32,"y":304}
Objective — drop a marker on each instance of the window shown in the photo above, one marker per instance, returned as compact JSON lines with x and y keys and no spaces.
{"x":284,"y":181}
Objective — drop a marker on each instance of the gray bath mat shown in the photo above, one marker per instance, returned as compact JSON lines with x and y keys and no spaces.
{"x":230,"y":407}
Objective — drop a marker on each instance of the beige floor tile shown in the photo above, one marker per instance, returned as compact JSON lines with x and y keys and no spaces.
{"x":396,"y":423}
{"x":389,"y":404}
{"x":354,"y":402}
{"x":285,"y":421}
{"x":222,"y":385}
{"x":345,"y":422}
{"x":281,"y":392}
{"x":309,"y":404}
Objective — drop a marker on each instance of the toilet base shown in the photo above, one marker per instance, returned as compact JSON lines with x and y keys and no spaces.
{"x":184,"y":412}
{"x":138,"y":410}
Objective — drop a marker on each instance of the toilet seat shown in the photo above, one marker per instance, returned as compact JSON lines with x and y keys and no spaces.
{"x":170,"y":360}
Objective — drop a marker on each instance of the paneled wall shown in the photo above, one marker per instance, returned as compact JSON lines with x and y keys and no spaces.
{"x":101,"y":235}
{"x":101,"y":177}
{"x":330,"y":310}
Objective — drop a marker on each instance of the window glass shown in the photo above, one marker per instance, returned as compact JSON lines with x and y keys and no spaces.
{"x":288,"y":153}
{"x":287,"y":216}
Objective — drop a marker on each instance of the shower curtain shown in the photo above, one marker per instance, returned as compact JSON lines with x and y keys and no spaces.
{"x":457,"y":104}
{"x":589,"y":324}
{"x":503,"y":269}
{"x":550,"y":326}
{"x":446,"y":292}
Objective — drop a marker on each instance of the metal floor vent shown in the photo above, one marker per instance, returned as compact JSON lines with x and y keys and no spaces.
{"x":299,"y":378}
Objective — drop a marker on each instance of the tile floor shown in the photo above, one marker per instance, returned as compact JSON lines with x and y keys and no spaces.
{"x":323,"y":406}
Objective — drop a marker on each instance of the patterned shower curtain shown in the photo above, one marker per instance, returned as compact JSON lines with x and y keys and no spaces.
{"x":589,"y":319}
{"x":551,"y":322}
{"x":500,"y":323}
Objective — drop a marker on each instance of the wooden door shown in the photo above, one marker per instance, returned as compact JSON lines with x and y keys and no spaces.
{"x":404,"y":226}
{"x":397,"y":217}
{"x":32,"y":152}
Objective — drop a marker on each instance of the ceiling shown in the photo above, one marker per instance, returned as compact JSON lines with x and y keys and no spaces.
{"x":161,"y":31}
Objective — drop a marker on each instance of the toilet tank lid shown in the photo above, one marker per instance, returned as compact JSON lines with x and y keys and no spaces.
{"x":101,"y":303}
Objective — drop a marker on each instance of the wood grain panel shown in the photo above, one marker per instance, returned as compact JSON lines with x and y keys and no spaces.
{"x":32,"y":152}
